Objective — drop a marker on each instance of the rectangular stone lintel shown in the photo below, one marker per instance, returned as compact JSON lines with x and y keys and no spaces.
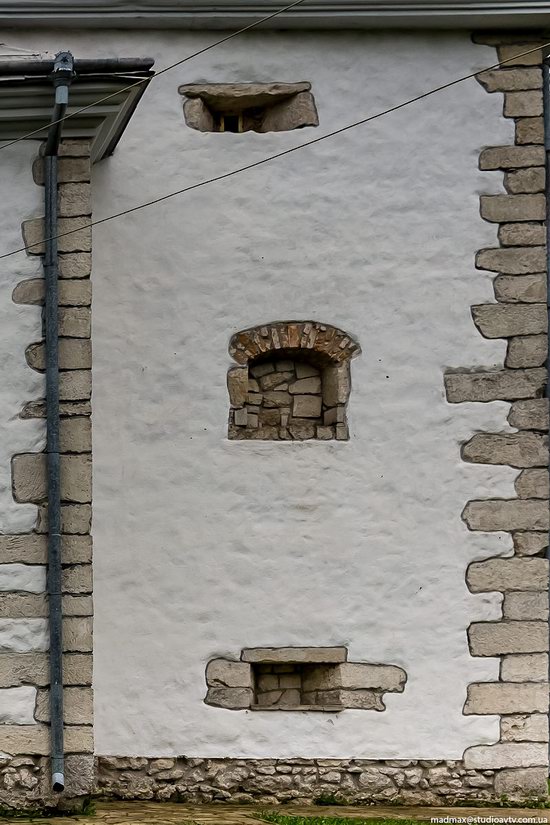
{"x":326,"y":655}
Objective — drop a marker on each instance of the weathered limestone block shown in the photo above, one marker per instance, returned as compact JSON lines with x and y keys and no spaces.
{"x":355,"y":676}
{"x":78,"y":579}
{"x":75,"y":265}
{"x":517,"y":449}
{"x":74,"y":354}
{"x":529,"y":130}
{"x":77,"y":634}
{"x":18,"y":669}
{"x":30,"y":549}
{"x":306,"y":406}
{"x":505,"y":208}
{"x":514,"y":54}
{"x":521,"y":783}
{"x":513,"y":260}
{"x":522,"y":234}
{"x":503,"y":697}
{"x":75,"y":385}
{"x":78,"y":605}
{"x":496,"y":638}
{"x":529,"y":415}
{"x":507,"y":574}
{"x":29,"y":578}
{"x":71,"y":292}
{"x":524,"y":667}
{"x":77,"y":706}
{"x":525,"y":606}
{"x":72,"y":148}
{"x":533,"y":484}
{"x":230,"y":698}
{"x":75,"y":434}
{"x":360,"y":699}
{"x":494,"y":515}
{"x":505,"y":320}
{"x":531,"y":727}
{"x":525,"y":180}
{"x":75,"y":235}
{"x":17,"y":705}
{"x":75,"y":518}
{"x":510,"y":80}
{"x":23,"y":605}
{"x":523,"y":104}
{"x":35,"y":739}
{"x":37,"y":409}
{"x":74,"y":199}
{"x":69,"y":170}
{"x":527,"y":289}
{"x":75,"y":322}
{"x":336,"y":385}
{"x":237,"y":385}
{"x":498,"y":385}
{"x":527,"y":351}
{"x":304,"y":386}
{"x":23,"y":636}
{"x":283,"y":655}
{"x":79,"y":775}
{"x":29,"y":477}
{"x":529,"y":544}
{"x":198,"y":116}
{"x":506,"y":755}
{"x":224,"y":673}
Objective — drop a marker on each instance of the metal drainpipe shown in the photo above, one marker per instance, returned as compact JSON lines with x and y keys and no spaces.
{"x":546,"y":107}
{"x":61,"y":76}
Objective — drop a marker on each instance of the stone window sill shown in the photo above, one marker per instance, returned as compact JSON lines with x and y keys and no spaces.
{"x":318,"y":708}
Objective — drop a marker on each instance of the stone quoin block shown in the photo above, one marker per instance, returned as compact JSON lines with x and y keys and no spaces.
{"x":527,"y":606}
{"x":533,"y":484}
{"x":524,"y":667}
{"x":529,"y":130}
{"x":516,"y":208}
{"x":75,"y":518}
{"x":517,"y":449}
{"x":30,"y":548}
{"x":511,"y":157}
{"x":77,"y":579}
{"x":508,"y":515}
{"x":506,"y":320}
{"x":75,"y":265}
{"x":74,"y":235}
{"x":520,"y":54}
{"x":497,"y":638}
{"x":18,"y":669}
{"x":508,"y":574}
{"x":522,"y":234}
{"x":77,"y":706}
{"x":77,"y":634}
{"x":71,"y":292}
{"x":70,"y":170}
{"x":517,"y":784}
{"x":75,"y":322}
{"x":29,"y":477}
{"x":502,"y":697}
{"x":525,"y":180}
{"x":528,"y":289}
{"x":523,"y":104}
{"x":75,"y":385}
{"x":531,"y":727}
{"x":494,"y":385}
{"x":512,"y":260}
{"x":74,"y":199}
{"x":506,"y":755}
{"x":35,"y":739}
{"x":526,"y":351}
{"x":23,"y":605}
{"x":531,"y":414}
{"x":75,"y":435}
{"x":510,"y":80}
{"x":529,"y":544}
{"x":74,"y":354}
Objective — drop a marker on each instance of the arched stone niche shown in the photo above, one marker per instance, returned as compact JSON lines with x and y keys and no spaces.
{"x":293,"y":382}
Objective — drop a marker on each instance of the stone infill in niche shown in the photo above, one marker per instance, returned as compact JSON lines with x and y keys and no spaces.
{"x":293,"y":382}
{"x":300,"y":679}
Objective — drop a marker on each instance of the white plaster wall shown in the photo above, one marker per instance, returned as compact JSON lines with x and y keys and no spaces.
{"x":204,"y":546}
{"x":19,"y":327}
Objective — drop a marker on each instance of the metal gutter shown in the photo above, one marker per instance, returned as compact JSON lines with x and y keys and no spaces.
{"x":362,"y":14}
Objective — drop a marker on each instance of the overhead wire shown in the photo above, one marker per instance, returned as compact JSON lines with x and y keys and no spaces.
{"x":155,"y":75}
{"x":285,"y":152}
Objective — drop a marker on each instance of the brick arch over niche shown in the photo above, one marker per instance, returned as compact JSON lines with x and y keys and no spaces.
{"x":293,"y":382}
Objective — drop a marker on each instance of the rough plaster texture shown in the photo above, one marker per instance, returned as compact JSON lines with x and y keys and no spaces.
{"x":205,"y":546}
{"x":17,"y":705}
{"x":23,"y":635}
{"x":30,"y":578}
{"x":19,"y":326}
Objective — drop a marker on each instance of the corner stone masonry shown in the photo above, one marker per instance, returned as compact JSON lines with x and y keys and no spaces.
{"x":25,"y":781}
{"x":520,"y":638}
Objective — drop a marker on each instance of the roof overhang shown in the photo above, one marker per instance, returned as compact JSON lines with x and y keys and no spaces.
{"x":26,"y":104}
{"x":341,"y":14}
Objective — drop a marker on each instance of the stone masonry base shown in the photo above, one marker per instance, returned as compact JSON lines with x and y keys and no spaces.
{"x":305,"y":781}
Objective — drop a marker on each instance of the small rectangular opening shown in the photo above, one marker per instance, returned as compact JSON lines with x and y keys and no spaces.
{"x":295,"y":686}
{"x":229,"y":122}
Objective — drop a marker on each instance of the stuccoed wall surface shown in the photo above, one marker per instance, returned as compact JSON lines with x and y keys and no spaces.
{"x":19,"y":326}
{"x":205,"y":546}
